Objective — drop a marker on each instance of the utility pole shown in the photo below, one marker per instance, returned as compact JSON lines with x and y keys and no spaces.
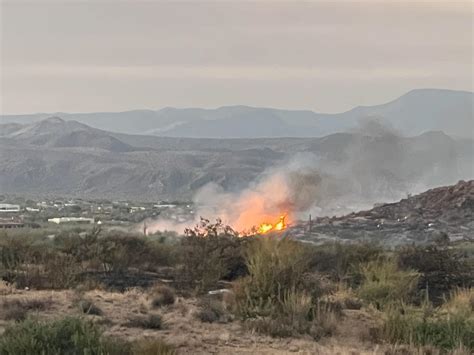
{"x":310,"y":224}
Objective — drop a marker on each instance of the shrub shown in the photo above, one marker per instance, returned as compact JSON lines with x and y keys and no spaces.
{"x":441,"y":270}
{"x":88,"y":307}
{"x":273,"y":300}
{"x":213,"y":310}
{"x":61,"y":271}
{"x":17,"y":310}
{"x":66,"y":336}
{"x":162,"y":296}
{"x":296,"y":314}
{"x":425,"y":327}
{"x":341,"y":261}
{"x":274,"y":266}
{"x":461,"y":301}
{"x":383,"y":283}
{"x":152,"y":321}
{"x":115,"y":346}
{"x":208,"y":259}
{"x":152,"y":347}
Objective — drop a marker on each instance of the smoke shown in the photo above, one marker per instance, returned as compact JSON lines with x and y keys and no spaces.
{"x":335,"y":175}
{"x":286,"y":190}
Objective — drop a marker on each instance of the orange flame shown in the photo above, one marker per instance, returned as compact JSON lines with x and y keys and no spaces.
{"x":268,"y":227}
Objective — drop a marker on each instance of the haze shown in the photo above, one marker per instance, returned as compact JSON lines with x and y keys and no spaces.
{"x":85,"y":56}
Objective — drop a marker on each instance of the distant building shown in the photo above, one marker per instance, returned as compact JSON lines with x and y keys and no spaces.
{"x":9,"y":223}
{"x":80,"y":220}
{"x":6,"y":207}
{"x":164,"y":205}
{"x":137,"y":209}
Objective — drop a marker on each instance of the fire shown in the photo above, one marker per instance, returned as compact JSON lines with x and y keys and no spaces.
{"x":267,"y":227}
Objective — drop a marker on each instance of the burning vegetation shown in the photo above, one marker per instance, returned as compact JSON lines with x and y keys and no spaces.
{"x":205,"y":228}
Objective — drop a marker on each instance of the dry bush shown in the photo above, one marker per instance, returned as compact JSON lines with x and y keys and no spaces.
{"x":116,"y":346}
{"x":17,"y":309}
{"x":88,"y":307}
{"x":152,"y":347}
{"x":151,"y":321}
{"x":162,"y":296}
{"x":296,"y":315}
{"x":343,"y":297}
{"x":5,"y":288}
{"x":460,"y":301}
{"x":213,"y":310}
{"x":207,"y":259}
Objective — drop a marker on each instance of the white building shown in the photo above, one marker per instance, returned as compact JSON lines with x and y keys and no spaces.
{"x":60,"y":220}
{"x":6,"y":207}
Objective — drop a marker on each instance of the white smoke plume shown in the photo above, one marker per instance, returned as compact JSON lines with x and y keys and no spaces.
{"x":287,"y":190}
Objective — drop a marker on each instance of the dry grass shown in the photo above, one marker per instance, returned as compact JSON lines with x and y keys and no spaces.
{"x":152,"y":347}
{"x":461,"y":301}
{"x":162,"y":296}
{"x":151,"y":321}
{"x":188,"y":334}
{"x":18,"y":309}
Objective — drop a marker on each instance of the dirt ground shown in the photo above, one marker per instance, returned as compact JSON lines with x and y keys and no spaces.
{"x":188,"y":334}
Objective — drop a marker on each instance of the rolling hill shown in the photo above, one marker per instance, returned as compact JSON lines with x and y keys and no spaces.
{"x":68,"y":158}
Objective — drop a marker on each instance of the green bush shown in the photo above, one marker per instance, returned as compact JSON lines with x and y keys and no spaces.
{"x":273,"y":300}
{"x":341,"y":262}
{"x":384,"y":283}
{"x":274,"y":266}
{"x":67,"y":336}
{"x":441,"y":270}
{"x":415,"y":326}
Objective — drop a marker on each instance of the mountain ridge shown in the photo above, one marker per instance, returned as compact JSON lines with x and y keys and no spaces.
{"x":410,"y":114}
{"x":67,"y":158}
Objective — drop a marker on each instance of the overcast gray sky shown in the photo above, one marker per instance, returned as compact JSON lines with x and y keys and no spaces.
{"x":83,"y":56}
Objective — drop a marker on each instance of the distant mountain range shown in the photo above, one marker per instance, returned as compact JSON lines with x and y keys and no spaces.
{"x":55,"y":157}
{"x":412,"y":114}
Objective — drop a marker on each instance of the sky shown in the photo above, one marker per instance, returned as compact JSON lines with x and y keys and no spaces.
{"x":326,"y":56}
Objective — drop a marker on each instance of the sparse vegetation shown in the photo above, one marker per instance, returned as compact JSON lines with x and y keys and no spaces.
{"x":384,"y":283}
{"x":162,"y":296}
{"x":209,"y":253}
{"x":152,"y":347}
{"x":18,"y":309}
{"x":213,"y":310}
{"x":88,"y":307}
{"x":150,"y":321}
{"x":65,"y":336}
{"x":277,"y":287}
{"x":447,"y":327}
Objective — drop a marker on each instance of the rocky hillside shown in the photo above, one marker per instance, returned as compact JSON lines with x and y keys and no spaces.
{"x":68,"y":158}
{"x":437,"y":214}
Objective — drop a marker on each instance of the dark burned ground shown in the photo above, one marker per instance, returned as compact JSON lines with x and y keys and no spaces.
{"x":437,"y":214}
